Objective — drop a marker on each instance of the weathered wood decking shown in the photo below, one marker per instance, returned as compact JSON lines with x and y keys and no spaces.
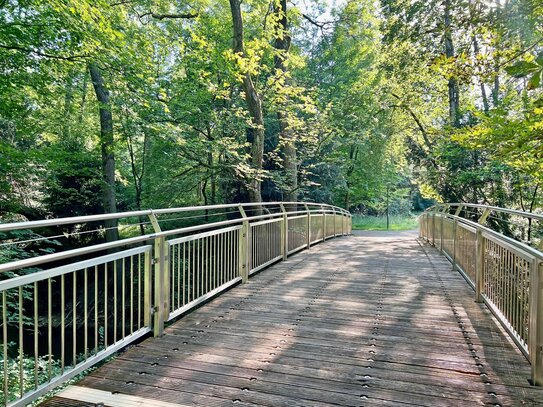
{"x":358,"y":321}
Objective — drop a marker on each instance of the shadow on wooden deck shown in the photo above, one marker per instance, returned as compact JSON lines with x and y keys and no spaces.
{"x":377,"y":319}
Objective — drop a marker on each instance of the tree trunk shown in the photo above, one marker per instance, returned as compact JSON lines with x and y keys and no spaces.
{"x":107,"y":146}
{"x":286,"y":139}
{"x":68,"y":102}
{"x":496,"y":87}
{"x":254,"y":105}
{"x":454,"y":91}
{"x":481,"y":83}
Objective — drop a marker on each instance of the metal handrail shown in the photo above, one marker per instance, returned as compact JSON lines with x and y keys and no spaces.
{"x":506,"y":274}
{"x":4,"y":227}
{"x":517,"y":212}
{"x":100,"y":298}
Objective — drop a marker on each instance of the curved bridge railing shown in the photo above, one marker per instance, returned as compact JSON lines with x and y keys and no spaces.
{"x":498,"y":251}
{"x":64,"y":311}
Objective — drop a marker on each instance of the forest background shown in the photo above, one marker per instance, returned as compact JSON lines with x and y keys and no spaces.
{"x":116,"y":105}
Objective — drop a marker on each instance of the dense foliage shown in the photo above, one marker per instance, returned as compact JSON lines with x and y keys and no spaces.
{"x":114,"y":105}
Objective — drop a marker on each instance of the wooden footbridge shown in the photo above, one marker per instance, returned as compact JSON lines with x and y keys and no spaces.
{"x":364,"y":319}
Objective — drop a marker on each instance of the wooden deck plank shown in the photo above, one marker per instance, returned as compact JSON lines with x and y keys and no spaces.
{"x":357,"y":321}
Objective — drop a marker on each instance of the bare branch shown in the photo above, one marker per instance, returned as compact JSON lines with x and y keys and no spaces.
{"x":43,"y":54}
{"x":157,"y":16}
{"x":314,"y":22}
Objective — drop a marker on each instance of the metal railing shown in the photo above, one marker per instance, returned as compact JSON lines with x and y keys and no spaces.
{"x":63,"y":312}
{"x":505,"y":272}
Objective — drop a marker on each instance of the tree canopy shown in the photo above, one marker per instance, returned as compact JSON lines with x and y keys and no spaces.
{"x":115,"y":105}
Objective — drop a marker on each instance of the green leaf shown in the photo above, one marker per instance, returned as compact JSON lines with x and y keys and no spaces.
{"x":535,"y":80}
{"x":522,"y":68}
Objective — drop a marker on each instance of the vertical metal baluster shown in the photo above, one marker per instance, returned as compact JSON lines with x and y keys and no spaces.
{"x":220,"y":260}
{"x":234,"y":239}
{"x":184,"y":281}
{"x":179,"y":275}
{"x":231,"y":255}
{"x":509,"y":286}
{"x":171,"y":250}
{"x":5,"y":345}
{"x":487,"y":246}
{"x":515,"y":297}
{"x":189,"y":268}
{"x":209,"y":263}
{"x":227,"y":256}
{"x":115,"y":290}
{"x":499,"y":288}
{"x":205,"y":263}
{"x":505,"y":285}
{"x":513,"y":291}
{"x":518,"y":279}
{"x":495,"y":274}
{"x":62,"y":311}
{"x":123,"y":296}
{"x":131,"y":295}
{"x":503,"y":265}
{"x":193,"y":282}
{"x":95,"y":309}
{"x":198,"y":254}
{"x":525,"y":299}
{"x":215,"y":237}
{"x":105,"y":306}
{"x":49,"y":331}
{"x":74,"y":319}
{"x":36,"y":322}
{"x":140,"y":296}
{"x":21,"y":351}
{"x":86,"y":313}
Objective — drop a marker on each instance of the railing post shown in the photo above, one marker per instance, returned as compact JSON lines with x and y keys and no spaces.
{"x":479,"y":266}
{"x":284,"y":233}
{"x":535,"y":340}
{"x":441,"y":234}
{"x":243,"y":245}
{"x":455,"y":227}
{"x":455,"y":224}
{"x":480,"y":258}
{"x":434,"y":227}
{"x":323,"y":223}
{"x":161,"y":306}
{"x":308,"y":225}
{"x":334,"y":220}
{"x":427,"y":226}
{"x":147,"y":289}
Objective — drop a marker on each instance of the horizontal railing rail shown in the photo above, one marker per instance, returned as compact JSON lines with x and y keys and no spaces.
{"x":64,"y":312}
{"x":504,"y":271}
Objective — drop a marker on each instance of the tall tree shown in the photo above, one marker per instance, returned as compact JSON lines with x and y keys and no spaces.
{"x":254,"y":106}
{"x":286,"y":138}
{"x":454,"y":89}
{"x":107,"y":147}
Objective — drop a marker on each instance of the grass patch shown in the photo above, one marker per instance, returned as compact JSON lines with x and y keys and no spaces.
{"x":397,"y":222}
